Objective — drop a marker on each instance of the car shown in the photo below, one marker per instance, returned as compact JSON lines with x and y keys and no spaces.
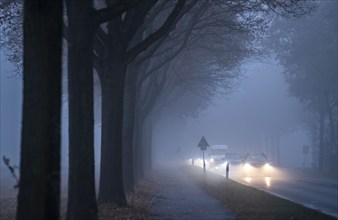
{"x":256,"y":165}
{"x":216,"y":157}
{"x":234,"y":158}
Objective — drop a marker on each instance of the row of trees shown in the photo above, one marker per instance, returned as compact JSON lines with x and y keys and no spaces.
{"x":309,"y":55}
{"x":147,"y":54}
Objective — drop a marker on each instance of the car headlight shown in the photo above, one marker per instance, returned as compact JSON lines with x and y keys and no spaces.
{"x":247,"y":167}
{"x":267,"y":165}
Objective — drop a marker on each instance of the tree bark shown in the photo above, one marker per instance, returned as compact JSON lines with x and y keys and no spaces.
{"x":321,"y":142}
{"x":111,"y":176}
{"x":148,"y":137}
{"x":277,"y":141}
{"x":39,"y":187}
{"x":273,"y":149}
{"x":333,"y":137}
{"x":128,"y":133}
{"x":139,"y":171}
{"x":81,"y":186}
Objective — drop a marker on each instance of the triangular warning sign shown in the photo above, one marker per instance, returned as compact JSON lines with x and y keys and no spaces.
{"x":203,"y":144}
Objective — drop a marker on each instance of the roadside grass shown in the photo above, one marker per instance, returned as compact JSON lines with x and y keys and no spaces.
{"x":246,"y":202}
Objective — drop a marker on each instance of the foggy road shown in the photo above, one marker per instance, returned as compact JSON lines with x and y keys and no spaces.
{"x":95,"y":95}
{"x":315,"y":193}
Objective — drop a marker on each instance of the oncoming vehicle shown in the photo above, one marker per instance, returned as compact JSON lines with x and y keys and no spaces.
{"x":234,"y":158}
{"x":256,"y":165}
{"x":216,"y":156}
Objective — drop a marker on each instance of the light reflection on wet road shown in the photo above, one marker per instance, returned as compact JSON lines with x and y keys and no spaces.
{"x":315,"y":193}
{"x":320,"y":194}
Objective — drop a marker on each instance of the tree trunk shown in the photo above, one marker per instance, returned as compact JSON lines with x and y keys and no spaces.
{"x":111,"y":176}
{"x":267,"y":148}
{"x":81,"y":187}
{"x":139,"y":171}
{"x":39,"y":187}
{"x":273,"y":149}
{"x":131,"y":139}
{"x":128,"y":133}
{"x":333,"y":139}
{"x":119,"y":42}
{"x":277,"y":141}
{"x":321,"y":142}
{"x":136,"y":145}
{"x":148,"y":136}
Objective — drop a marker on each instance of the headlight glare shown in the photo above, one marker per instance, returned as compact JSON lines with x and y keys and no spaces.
{"x":247,"y":167}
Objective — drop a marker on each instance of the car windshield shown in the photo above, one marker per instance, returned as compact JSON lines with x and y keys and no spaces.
{"x":261,"y":158}
{"x":217,"y":152}
{"x":234,"y":156}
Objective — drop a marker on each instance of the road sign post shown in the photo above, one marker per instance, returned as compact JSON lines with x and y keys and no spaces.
{"x":203,"y":144}
{"x":203,"y":161}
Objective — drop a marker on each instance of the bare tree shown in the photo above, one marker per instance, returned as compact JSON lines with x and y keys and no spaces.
{"x":112,"y":83}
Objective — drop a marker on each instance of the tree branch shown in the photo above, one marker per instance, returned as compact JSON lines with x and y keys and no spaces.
{"x":170,"y":21}
{"x":108,"y":13}
{"x":135,"y":18}
{"x":186,"y":35}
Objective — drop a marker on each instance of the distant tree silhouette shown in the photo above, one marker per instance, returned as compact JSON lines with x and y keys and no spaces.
{"x":310,"y":61}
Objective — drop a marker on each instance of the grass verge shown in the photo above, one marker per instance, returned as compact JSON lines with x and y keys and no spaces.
{"x":246,"y":202}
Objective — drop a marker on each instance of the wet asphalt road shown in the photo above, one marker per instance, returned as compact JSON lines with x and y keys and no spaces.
{"x":309,"y":190}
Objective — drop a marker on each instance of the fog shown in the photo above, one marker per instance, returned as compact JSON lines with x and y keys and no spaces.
{"x":249,"y":86}
{"x":10,"y":111}
{"x":260,"y":104}
{"x":10,"y":117}
{"x":259,"y":111}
